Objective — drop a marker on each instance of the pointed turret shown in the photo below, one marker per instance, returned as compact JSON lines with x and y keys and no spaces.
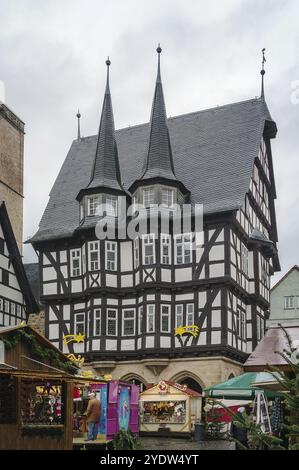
{"x":158,"y":165}
{"x":106,"y":171}
{"x":159,"y":161}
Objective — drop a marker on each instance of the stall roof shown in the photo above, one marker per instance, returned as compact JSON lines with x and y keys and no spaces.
{"x":242,"y":386}
{"x":265,"y":354}
{"x":179,"y":387}
{"x":35,"y":374}
{"x":269,"y":383}
{"x":44,"y":341}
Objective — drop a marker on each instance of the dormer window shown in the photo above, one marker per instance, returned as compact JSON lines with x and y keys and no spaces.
{"x":158,"y":195}
{"x":148,"y":197}
{"x":93,"y":204}
{"x":167,"y":197}
{"x":111,"y":206}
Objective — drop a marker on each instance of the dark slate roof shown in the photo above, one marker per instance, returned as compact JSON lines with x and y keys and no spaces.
{"x":159,"y":160}
{"x":257,"y":235}
{"x":106,"y":171}
{"x":213,"y":152}
{"x":32,"y":273}
{"x":15,"y":257}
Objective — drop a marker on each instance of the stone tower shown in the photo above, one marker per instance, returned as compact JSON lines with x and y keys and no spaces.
{"x":11,"y":168}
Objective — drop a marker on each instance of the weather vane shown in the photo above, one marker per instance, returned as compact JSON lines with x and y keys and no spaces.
{"x":263,"y":72}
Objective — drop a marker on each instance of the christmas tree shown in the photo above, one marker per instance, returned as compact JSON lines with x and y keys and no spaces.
{"x":290,"y":385}
{"x":289,"y":429}
{"x":214,"y":427}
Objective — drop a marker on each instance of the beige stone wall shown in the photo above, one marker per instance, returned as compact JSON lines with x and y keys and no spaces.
{"x":37,"y":321}
{"x":206,"y":371}
{"x":11,"y":174}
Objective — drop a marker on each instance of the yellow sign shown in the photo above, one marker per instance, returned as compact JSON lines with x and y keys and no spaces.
{"x":108,"y":377}
{"x":79,"y":361}
{"x":191,"y":330}
{"x":77,"y":338}
{"x":87,"y":374}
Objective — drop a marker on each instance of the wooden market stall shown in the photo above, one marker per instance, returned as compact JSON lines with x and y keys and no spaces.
{"x":36,"y":390}
{"x":35,"y":410}
{"x":169,"y":408}
{"x":44,"y":396}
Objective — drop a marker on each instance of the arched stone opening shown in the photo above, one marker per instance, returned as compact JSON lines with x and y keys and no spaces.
{"x":189,"y":379}
{"x":135,"y":379}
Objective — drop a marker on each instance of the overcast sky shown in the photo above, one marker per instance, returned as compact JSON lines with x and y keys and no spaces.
{"x":52,"y":61}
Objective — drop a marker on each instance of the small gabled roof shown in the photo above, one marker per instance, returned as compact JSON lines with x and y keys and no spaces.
{"x":31,"y":304}
{"x":179,"y":387}
{"x":294,"y":268}
{"x":274,"y":341}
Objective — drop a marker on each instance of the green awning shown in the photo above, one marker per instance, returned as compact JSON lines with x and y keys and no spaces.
{"x":242,"y":386}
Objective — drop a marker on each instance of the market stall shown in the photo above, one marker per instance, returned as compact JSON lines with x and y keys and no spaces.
{"x":244,"y":390}
{"x":119,"y":407}
{"x":35,"y":410}
{"x":169,"y":408}
{"x":35,"y":392}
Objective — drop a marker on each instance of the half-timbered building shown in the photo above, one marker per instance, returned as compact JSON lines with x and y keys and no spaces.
{"x":152,"y":307}
{"x":16,"y":298}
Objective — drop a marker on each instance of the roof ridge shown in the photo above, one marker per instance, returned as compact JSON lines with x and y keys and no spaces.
{"x":177,"y":116}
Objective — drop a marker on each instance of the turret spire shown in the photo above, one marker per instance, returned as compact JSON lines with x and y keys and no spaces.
{"x":106,"y":170}
{"x":159,"y":161}
{"x":158,"y":165}
{"x":263,"y":73}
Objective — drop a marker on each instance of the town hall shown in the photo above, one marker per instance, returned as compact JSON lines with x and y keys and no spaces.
{"x":154,"y":307}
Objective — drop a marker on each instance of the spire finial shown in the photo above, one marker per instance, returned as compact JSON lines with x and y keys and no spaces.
{"x":108,"y":63}
{"x":159,"y":50}
{"x":79,"y":130}
{"x":263,"y":72}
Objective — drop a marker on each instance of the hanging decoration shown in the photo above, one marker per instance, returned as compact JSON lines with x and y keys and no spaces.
{"x":107,"y":376}
{"x":77,"y":360}
{"x":190,"y":330}
{"x":163,"y":388}
{"x":87,"y":374}
{"x":76,"y":338}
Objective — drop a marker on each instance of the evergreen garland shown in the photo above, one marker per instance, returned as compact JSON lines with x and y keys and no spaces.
{"x":41,"y":353}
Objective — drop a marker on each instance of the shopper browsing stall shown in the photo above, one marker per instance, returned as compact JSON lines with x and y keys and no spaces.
{"x":93,"y":413}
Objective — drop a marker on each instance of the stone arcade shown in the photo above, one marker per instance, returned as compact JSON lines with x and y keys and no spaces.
{"x":129,"y":296}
